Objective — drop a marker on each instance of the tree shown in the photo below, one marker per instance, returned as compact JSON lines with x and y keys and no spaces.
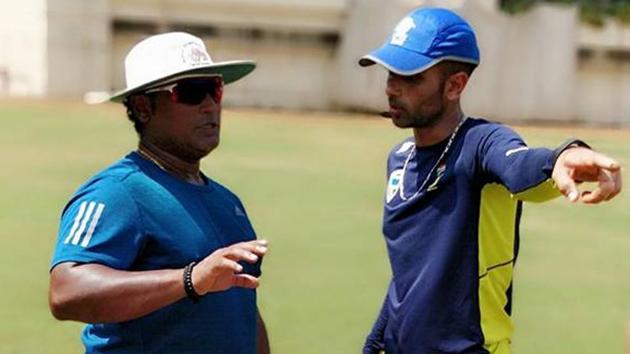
{"x":591,"y":11}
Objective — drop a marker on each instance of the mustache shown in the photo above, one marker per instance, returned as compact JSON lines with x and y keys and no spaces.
{"x":392,"y":103}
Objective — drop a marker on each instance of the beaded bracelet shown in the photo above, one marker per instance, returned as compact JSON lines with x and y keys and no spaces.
{"x":188,"y":284}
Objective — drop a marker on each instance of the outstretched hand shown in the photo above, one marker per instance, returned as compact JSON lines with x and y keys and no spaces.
{"x":580,"y":164}
{"x":221,"y":271}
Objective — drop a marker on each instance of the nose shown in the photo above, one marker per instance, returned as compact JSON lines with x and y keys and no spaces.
{"x":393,"y":85}
{"x":208,"y":104}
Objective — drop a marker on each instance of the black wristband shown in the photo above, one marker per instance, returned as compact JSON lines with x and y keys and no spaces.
{"x":567,"y":145}
{"x":188,"y":284}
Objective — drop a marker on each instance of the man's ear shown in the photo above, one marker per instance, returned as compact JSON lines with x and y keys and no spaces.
{"x":455,"y":85}
{"x":141,"y":104}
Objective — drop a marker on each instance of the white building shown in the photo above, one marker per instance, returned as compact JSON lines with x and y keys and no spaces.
{"x":542,"y":65}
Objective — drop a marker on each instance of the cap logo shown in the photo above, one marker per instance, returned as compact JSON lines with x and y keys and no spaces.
{"x":194,"y":54}
{"x":401,"y":32}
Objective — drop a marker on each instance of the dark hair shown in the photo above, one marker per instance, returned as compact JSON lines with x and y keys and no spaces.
{"x":450,"y":67}
{"x":132,"y":114}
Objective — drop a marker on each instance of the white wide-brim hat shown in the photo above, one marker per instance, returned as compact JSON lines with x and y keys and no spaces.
{"x":166,"y":58}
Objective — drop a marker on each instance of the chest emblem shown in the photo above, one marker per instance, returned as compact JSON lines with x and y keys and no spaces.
{"x":439,"y":173}
{"x":393,"y":184}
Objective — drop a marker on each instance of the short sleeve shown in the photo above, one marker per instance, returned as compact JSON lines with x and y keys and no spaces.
{"x":100,"y":224}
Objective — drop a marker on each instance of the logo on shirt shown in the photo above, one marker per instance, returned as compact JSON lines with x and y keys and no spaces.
{"x":439,"y":173}
{"x":401,"y":32}
{"x":84,"y":223}
{"x":238,"y":211}
{"x":393,"y":184}
{"x":514,"y":151}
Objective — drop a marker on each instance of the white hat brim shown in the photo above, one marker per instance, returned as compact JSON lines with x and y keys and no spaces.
{"x":230,"y":71}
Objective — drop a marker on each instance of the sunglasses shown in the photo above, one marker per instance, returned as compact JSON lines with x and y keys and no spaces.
{"x":193,"y":91}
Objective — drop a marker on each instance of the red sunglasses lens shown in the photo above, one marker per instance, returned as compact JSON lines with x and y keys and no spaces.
{"x":194,"y":91}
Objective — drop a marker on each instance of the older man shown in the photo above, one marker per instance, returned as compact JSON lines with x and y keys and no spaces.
{"x":152,"y":254}
{"x":454,"y":196}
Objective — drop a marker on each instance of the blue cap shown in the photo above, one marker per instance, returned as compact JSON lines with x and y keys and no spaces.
{"x":424,"y":38}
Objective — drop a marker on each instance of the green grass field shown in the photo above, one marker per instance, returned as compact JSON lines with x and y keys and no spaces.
{"x":313,"y":186}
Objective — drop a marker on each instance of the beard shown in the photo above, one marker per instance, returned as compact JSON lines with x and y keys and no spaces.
{"x":427,"y":115}
{"x":423,"y":119}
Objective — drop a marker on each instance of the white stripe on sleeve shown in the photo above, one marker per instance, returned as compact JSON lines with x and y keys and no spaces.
{"x":77,"y":219}
{"x":97,"y":215}
{"x":88,"y":214}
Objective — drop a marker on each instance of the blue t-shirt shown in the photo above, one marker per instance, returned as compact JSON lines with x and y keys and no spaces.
{"x":134,"y":216}
{"x":452,"y":246}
